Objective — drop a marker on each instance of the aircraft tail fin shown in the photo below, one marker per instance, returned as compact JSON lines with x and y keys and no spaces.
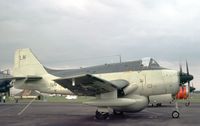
{"x":26,"y":64}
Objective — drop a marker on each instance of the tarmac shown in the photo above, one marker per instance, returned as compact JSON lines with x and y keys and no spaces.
{"x":65,"y":114}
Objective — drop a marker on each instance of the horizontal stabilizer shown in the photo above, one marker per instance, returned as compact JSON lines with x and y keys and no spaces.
{"x":32,"y":78}
{"x":28,"y":78}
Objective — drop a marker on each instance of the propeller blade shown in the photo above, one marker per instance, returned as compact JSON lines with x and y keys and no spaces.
{"x":187,"y":68}
{"x":181,"y":72}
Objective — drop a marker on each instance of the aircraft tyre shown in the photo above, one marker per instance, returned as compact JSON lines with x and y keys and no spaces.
{"x":159,"y":104}
{"x":102,"y":115}
{"x":175,"y":114}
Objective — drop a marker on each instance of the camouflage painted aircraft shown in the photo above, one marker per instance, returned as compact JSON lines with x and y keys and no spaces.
{"x":122,"y":87}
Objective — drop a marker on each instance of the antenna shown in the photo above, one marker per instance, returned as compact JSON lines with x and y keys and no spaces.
{"x":120,"y":58}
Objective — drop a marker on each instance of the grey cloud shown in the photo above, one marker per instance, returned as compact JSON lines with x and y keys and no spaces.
{"x":60,"y":31}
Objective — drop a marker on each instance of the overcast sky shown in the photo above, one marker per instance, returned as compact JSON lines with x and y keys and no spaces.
{"x":64,"y":33}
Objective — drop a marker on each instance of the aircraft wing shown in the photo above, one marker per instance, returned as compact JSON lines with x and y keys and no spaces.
{"x":86,"y":85}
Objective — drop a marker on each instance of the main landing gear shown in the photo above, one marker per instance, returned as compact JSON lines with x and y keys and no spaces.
{"x":102,"y":115}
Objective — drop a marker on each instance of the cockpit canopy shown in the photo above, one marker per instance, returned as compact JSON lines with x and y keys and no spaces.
{"x":149,"y":63}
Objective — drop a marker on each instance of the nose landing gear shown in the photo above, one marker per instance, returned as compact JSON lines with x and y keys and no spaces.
{"x":175,"y":113}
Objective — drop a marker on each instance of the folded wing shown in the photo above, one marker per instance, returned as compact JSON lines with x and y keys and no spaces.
{"x":86,"y":85}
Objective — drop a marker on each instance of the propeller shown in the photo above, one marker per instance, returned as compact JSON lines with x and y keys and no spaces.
{"x":185,"y":77}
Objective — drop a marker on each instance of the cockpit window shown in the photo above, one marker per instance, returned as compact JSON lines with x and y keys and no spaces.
{"x":146,"y":61}
{"x":153,"y":63}
{"x":149,"y":62}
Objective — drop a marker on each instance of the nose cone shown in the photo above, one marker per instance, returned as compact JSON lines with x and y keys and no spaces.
{"x":184,"y":77}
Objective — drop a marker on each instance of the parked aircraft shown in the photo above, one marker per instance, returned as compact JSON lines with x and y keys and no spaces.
{"x":122,"y":87}
{"x":5,"y":82}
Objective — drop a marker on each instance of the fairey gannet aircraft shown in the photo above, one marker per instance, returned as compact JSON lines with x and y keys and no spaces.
{"x":122,"y":87}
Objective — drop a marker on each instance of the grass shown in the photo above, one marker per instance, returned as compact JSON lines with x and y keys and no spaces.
{"x":195,"y":98}
{"x":80,"y":99}
{"x":53,"y":99}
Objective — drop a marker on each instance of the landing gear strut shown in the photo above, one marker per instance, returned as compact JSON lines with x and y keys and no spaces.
{"x":175,"y":113}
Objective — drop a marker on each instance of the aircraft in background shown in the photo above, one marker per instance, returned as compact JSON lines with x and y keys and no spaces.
{"x":122,"y":87}
{"x":5,"y":82}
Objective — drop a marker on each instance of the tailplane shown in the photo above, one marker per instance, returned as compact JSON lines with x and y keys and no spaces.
{"x":26,"y":64}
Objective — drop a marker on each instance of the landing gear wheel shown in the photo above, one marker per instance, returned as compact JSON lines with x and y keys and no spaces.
{"x":101,"y":115}
{"x":159,"y":104}
{"x":175,"y":114}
